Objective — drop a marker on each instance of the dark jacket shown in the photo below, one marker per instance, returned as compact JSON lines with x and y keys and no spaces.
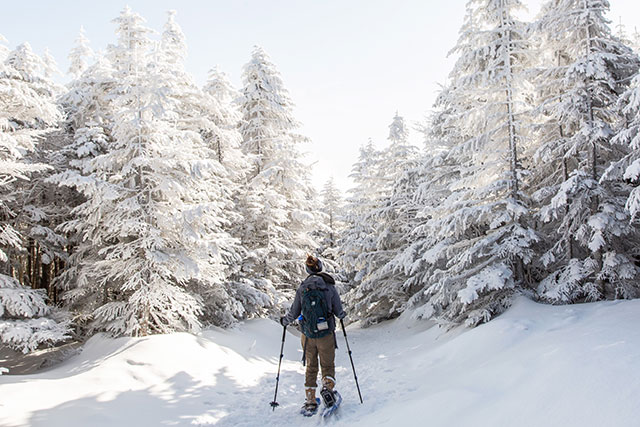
{"x":318,"y":281}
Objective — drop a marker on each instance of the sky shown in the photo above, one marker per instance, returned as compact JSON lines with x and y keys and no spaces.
{"x":349,"y":65}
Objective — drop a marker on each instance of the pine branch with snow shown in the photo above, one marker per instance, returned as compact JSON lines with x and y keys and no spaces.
{"x":26,"y":320}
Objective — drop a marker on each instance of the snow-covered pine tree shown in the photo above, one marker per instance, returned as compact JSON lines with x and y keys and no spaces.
{"x":43,"y":208}
{"x":332,"y":208}
{"x":211,"y":110}
{"x":621,"y":32}
{"x":4,"y":50}
{"x":226,"y":116}
{"x":378,"y":296}
{"x":79,"y":55}
{"x":88,"y":100}
{"x":481,"y":231}
{"x":173,"y":42}
{"x":628,"y":168}
{"x":211,"y":114}
{"x":26,"y":321}
{"x":200,"y":109}
{"x":277,"y":205}
{"x":184,"y":98}
{"x":207,"y":110}
{"x":358,"y":235}
{"x":589,"y":238}
{"x":331,"y":213}
{"x":50,"y":68}
{"x":635,"y":40}
{"x":89,"y":107}
{"x":433,"y":182}
{"x":28,"y":113}
{"x":89,"y":111}
{"x":219,"y":86}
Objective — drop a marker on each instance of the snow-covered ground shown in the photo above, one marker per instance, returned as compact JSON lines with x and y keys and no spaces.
{"x":536,"y":365}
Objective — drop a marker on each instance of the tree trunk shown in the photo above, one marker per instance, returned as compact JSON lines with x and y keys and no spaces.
{"x":30,"y":262}
{"x":597,"y":255}
{"x":37,"y":279}
{"x":46,"y":280}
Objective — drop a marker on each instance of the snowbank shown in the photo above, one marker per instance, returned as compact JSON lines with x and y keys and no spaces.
{"x":535,"y":365}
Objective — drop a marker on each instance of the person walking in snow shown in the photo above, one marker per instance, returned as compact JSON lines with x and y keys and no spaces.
{"x":319,"y":303}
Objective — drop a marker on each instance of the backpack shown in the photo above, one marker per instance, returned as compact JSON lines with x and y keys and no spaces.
{"x":315,"y":313}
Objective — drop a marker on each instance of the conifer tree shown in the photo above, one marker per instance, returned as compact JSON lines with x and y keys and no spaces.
{"x":277,"y":200}
{"x":430,"y":183}
{"x":226,"y":116}
{"x":28,"y":113}
{"x":357,"y":238}
{"x":43,"y":207}
{"x":635,"y":40}
{"x":79,"y":55}
{"x":588,"y":231}
{"x":332,"y":209}
{"x":628,"y":168}
{"x":390,"y":218}
{"x":621,"y":32}
{"x":481,"y":230}
{"x":89,"y":107}
{"x":215,"y":120}
{"x":4,"y":50}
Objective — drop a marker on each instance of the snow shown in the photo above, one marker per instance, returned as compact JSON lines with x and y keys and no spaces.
{"x":534,"y":365}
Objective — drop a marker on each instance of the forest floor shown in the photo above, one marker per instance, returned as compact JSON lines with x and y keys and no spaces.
{"x":536,"y":365}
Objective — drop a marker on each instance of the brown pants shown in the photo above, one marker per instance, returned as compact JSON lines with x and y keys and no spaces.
{"x":324,"y":347}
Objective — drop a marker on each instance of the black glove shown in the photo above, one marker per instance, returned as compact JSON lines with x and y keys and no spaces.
{"x":283,"y":321}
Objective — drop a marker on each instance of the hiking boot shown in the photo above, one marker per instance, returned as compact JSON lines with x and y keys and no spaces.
{"x":311,"y":403}
{"x":328,"y":382}
{"x":310,"y":395}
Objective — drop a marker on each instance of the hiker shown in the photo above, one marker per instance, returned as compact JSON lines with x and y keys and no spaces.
{"x":318,"y":301}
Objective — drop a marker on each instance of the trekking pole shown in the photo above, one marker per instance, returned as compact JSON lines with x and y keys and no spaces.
{"x":275,"y":396}
{"x":344,"y":331}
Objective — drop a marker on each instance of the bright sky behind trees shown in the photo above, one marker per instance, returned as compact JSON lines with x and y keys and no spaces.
{"x":349,"y":64}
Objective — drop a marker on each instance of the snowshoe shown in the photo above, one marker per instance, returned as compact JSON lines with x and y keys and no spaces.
{"x":328,"y":397}
{"x":332,"y":400}
{"x":309,"y":409}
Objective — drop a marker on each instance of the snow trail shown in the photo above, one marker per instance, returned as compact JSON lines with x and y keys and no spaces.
{"x":535,"y":365}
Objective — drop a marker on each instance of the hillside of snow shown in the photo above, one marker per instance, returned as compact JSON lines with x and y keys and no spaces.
{"x":536,"y":365}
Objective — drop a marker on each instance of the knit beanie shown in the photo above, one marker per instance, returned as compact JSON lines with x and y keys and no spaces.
{"x":313,"y":265}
